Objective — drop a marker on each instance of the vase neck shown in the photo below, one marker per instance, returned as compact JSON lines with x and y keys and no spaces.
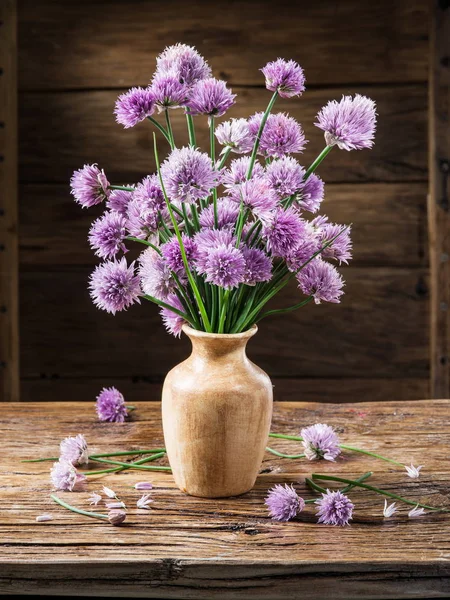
{"x":216,"y":346}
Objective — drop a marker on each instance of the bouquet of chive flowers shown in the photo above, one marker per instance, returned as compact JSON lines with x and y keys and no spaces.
{"x":222,"y":235}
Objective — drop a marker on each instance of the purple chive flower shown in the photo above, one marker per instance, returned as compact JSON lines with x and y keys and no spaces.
{"x":283,"y":231}
{"x":143,"y":485}
{"x":321,"y":280}
{"x":224,"y":267}
{"x":89,"y":186}
{"x":307,"y":246}
{"x":144,"y":208}
{"x":286,"y":76}
{"x":168,"y":92}
{"x":257,"y":195}
{"x":110,"y":406}
{"x":235,"y":134}
{"x":117,"y":517}
{"x":114,"y":286}
{"x":184,"y":62}
{"x":284,"y":503}
{"x":118,"y":201}
{"x":171,"y":252}
{"x":227,"y":213}
{"x":156,"y":278}
{"x":285,"y":176}
{"x":66,"y":478}
{"x":311,"y":194}
{"x":75,"y":450}
{"x":172,"y":321}
{"x":210,"y":97}
{"x":107,"y":235}
{"x":281,"y":135}
{"x":237,"y":173}
{"x":335,"y":508}
{"x":258,"y":266}
{"x":350,"y":124}
{"x":134,"y":106}
{"x":208,"y":239}
{"x":320,"y":441}
{"x":341,"y":248}
{"x":188,"y":175}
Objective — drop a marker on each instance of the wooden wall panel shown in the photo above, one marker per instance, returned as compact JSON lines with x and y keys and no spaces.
{"x":60,"y":132}
{"x":98,"y":44}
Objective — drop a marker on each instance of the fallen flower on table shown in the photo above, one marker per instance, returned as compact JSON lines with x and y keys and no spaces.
{"x":320,"y":441}
{"x":110,"y":406}
{"x":388,"y":511}
{"x":65,"y":477}
{"x":416,"y":512}
{"x":144,"y":501}
{"x":284,"y":503}
{"x":44,"y":518}
{"x":94,"y":499}
{"x":109,"y":492}
{"x":335,"y":508}
{"x":116,"y":517}
{"x":75,"y":450}
{"x":112,"y":505}
{"x":143,"y":485}
{"x":413,"y":472}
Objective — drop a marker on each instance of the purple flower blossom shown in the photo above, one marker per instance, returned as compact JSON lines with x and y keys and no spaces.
{"x":89,"y":186}
{"x":350,"y":123}
{"x":321,"y":280}
{"x":118,"y":201}
{"x":281,"y":135}
{"x":235,"y":134}
{"x":284,"y":503}
{"x":111,"y":407}
{"x":258,"y":266}
{"x":134,"y":106}
{"x":307,"y":246}
{"x":65,"y":477}
{"x":156,"y":278}
{"x":75,"y":450}
{"x":256,"y":195}
{"x":320,"y":441}
{"x":225,"y":267}
{"x":283,"y":231}
{"x":285,"y":176}
{"x":116,"y":517}
{"x":340,"y":248}
{"x":171,"y":252}
{"x":172,"y":321}
{"x":188,"y":175}
{"x":208,"y":239}
{"x":311,"y":194}
{"x":237,"y":173}
{"x":143,"y":485}
{"x":227,"y":213}
{"x":168,"y":92}
{"x":335,"y":508}
{"x":286,"y":76}
{"x":114,"y":286}
{"x":184,"y":62}
{"x":107,"y":235}
{"x":143,"y":211}
{"x":210,"y":97}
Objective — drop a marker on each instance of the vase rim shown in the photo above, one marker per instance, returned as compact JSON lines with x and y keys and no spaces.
{"x":190,"y":332}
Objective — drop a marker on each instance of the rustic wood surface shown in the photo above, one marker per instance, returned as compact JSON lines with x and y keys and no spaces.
{"x":187,"y":547}
{"x":9,"y":253}
{"x":439,"y":200}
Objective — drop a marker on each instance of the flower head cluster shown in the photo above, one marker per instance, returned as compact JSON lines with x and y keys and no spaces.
{"x":75,"y":450}
{"x":66,"y":478}
{"x":114,"y":286}
{"x":284,"y":76}
{"x":281,"y":135}
{"x":184,"y":63}
{"x":210,"y":97}
{"x":284,"y":503}
{"x":89,"y":186}
{"x":334,"y":508}
{"x":188,"y":175}
{"x":107,"y":234}
{"x":320,"y":441}
{"x":110,"y":406}
{"x":235,"y":134}
{"x":134,"y":106}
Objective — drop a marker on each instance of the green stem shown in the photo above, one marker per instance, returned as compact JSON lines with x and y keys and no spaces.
{"x":353,"y":449}
{"x":284,"y":310}
{"x":258,"y":135}
{"x":360,"y":479}
{"x":121,"y":187}
{"x":124,"y":464}
{"x":223,"y":160}
{"x":86,"y":513}
{"x":356,"y":483}
{"x":168,"y":306}
{"x":160,"y":127}
{"x":317,"y":162}
{"x":169,"y":129}
{"x":284,"y":455}
{"x":194,"y":287}
{"x":129,"y":453}
{"x":314,"y":486}
{"x":116,"y":469}
{"x":212,"y":142}
{"x":191,"y":130}
{"x":286,"y":437}
{"x":131,"y":238}
{"x":223,"y":311}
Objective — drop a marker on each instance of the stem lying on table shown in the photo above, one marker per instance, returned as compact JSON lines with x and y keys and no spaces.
{"x":284,"y":455}
{"x":80,"y":511}
{"x":129,"y":466}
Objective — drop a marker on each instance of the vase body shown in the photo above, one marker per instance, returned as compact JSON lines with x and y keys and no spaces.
{"x":217,"y":410}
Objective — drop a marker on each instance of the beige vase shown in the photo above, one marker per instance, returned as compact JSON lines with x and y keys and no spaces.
{"x":217,"y":409}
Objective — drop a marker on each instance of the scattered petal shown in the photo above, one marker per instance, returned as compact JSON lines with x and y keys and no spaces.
{"x":43,"y":518}
{"x":416,"y":512}
{"x":143,"y":485}
{"x":114,"y":505}
{"x":94,"y":499}
{"x":388,"y":511}
{"x":110,"y":493}
{"x":413,"y":471}
{"x":144,"y":501}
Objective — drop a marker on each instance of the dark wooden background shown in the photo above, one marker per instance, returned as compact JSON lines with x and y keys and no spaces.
{"x":75,"y":57}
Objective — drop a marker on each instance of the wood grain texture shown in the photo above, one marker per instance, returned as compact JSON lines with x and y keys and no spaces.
{"x":389,"y":224}
{"x":83,"y":130}
{"x":9,"y":257}
{"x":237,"y":38}
{"x":189,"y":547}
{"x":379,"y":330}
{"x":439,"y":199}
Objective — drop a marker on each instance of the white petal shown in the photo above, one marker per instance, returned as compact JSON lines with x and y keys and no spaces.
{"x":109,"y":492}
{"x":43,"y":518}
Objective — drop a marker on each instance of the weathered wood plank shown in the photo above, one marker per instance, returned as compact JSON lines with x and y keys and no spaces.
{"x":389,"y":225}
{"x":379,"y":330}
{"x":439,"y":199}
{"x":194,"y":547}
{"x":237,"y":38}
{"x":9,"y":259}
{"x":83,"y":130}
{"x":51,"y":388}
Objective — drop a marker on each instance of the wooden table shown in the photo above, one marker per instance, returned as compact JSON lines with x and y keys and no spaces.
{"x":188,"y":547}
